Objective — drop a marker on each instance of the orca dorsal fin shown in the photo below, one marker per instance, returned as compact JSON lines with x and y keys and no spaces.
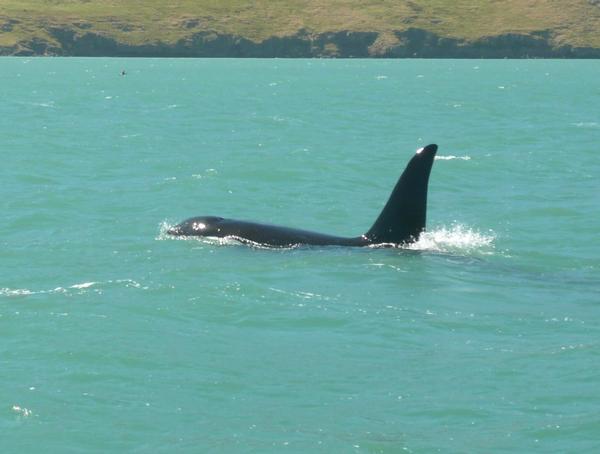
{"x":403,"y":217}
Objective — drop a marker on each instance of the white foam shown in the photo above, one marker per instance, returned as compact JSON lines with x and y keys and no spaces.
{"x":49,"y":104}
{"x":15,"y":292}
{"x":27,"y":292}
{"x":22,"y":410}
{"x":83,"y":285}
{"x":451,"y":157}
{"x":130,"y":283}
{"x":457,"y":238}
{"x":163,"y":228}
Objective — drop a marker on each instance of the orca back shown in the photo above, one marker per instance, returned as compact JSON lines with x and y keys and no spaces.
{"x":401,"y":221}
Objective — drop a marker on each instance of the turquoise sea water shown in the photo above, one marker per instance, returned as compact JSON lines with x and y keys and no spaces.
{"x":484,"y":337}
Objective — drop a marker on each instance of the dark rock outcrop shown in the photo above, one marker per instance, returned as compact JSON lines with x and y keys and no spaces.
{"x":80,"y":40}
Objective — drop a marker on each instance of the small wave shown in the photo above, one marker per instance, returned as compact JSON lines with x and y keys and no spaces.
{"x":586,"y":124}
{"x":451,"y":157}
{"x":21,"y":410}
{"x":301,"y":294}
{"x":15,"y":292}
{"x":84,"y":287}
{"x":163,"y":228}
{"x":457,"y":238}
{"x":47,"y":105}
{"x":207,"y":173}
{"x":26,"y":292}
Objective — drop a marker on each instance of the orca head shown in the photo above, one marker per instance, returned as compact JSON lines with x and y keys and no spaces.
{"x":198,"y":226}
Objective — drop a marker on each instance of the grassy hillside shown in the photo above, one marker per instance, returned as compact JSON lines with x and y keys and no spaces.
{"x":573,"y":23}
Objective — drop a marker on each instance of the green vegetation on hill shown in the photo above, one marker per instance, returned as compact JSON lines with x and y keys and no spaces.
{"x":67,"y":27}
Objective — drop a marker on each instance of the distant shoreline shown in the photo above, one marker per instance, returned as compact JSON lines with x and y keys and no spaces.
{"x":306,"y":29}
{"x":410,"y":43}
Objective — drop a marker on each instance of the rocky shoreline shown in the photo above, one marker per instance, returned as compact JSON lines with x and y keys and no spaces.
{"x":411,"y":43}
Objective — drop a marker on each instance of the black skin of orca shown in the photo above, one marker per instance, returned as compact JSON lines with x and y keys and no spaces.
{"x":400,"y":222}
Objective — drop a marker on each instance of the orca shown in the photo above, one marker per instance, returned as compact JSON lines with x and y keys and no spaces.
{"x":401,"y":221}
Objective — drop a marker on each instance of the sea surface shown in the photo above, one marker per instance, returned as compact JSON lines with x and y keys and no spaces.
{"x":482,"y":337}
